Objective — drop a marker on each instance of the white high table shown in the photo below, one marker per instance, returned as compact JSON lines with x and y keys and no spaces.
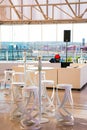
{"x":39,"y":69}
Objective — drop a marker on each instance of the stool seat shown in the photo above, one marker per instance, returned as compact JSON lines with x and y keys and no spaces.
{"x":30,"y":88}
{"x":48,"y":82}
{"x":65,"y":86}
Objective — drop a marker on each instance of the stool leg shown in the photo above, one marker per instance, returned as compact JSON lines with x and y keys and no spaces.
{"x":30,"y":114}
{"x":17,"y":106}
{"x":47,"y":102}
{"x":57,"y":113}
{"x":65,"y":113}
{"x":53,"y":95}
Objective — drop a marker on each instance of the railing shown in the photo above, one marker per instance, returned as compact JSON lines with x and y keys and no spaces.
{"x":12,"y":55}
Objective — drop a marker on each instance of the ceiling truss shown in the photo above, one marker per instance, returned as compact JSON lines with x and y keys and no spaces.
{"x":38,"y":12}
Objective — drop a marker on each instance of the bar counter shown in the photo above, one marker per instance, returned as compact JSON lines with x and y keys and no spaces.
{"x":74,"y":74}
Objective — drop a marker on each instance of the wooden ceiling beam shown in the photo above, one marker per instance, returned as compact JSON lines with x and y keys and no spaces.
{"x":64,"y":12}
{"x":53,"y":4}
{"x":12,"y":5}
{"x":74,"y":13}
{"x":41,"y":9}
{"x":83,"y":12}
{"x":44,"y":22}
{"x":70,"y":8}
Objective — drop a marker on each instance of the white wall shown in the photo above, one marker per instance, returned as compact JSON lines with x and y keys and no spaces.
{"x":47,"y":32}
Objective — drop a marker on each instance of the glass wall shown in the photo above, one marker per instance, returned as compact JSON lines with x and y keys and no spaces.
{"x":45,"y":40}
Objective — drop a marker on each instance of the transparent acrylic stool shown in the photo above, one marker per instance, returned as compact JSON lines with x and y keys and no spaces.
{"x":64,"y":105}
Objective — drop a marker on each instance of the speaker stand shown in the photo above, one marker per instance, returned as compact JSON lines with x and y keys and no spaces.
{"x":66,"y":51}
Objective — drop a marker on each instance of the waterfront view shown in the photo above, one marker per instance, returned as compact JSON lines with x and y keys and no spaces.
{"x":45,"y":40}
{"x":14,"y":50}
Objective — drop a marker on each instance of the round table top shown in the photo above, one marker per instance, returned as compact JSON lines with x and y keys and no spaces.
{"x":42,"y":68}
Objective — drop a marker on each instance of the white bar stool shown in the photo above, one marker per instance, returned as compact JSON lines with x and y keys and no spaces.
{"x":31,"y":110}
{"x":64,"y":106}
{"x":17,"y":83}
{"x":7,"y":80}
{"x":8,"y":76}
{"x":16,"y":94}
{"x":45,"y":82}
{"x":47,"y":101}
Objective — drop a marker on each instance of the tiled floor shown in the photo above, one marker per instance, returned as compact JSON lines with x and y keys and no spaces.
{"x":80,"y":113}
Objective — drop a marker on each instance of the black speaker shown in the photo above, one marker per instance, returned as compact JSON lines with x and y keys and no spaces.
{"x":67,"y":34}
